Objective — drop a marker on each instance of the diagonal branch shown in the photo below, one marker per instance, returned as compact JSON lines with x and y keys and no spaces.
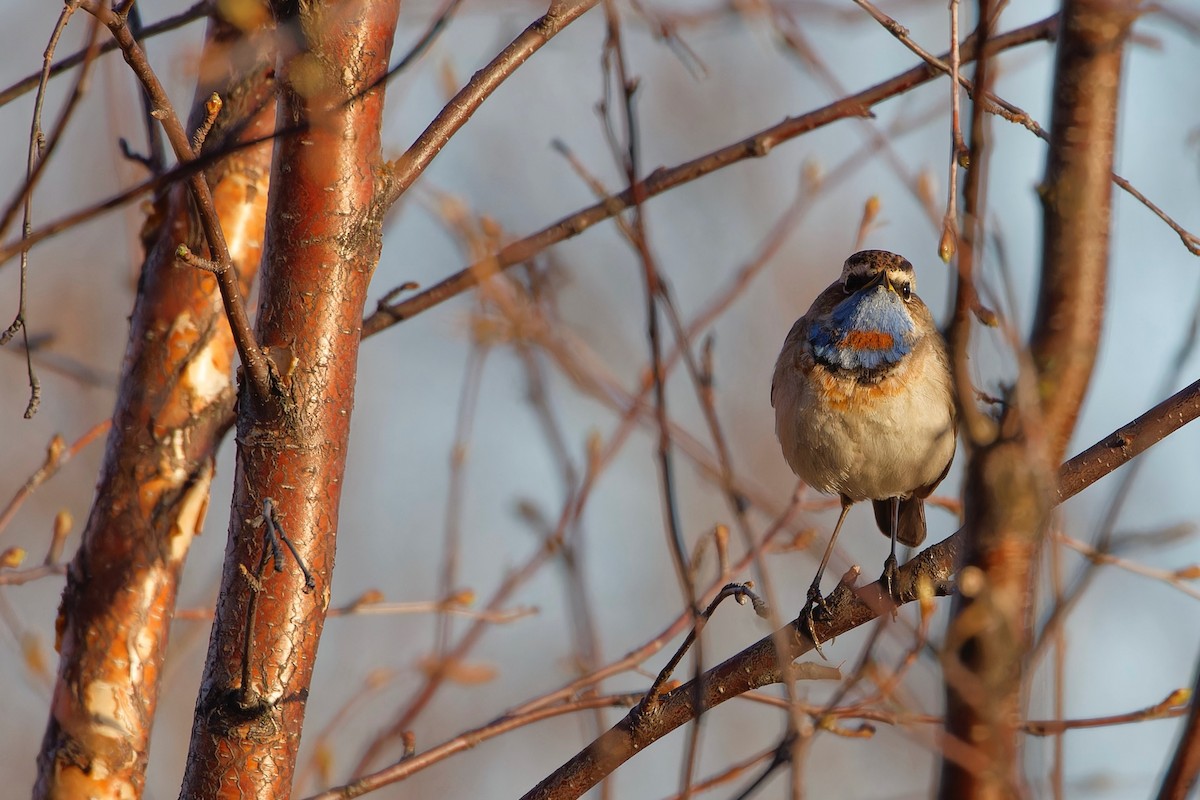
{"x":407,"y":168}
{"x":664,"y":179}
{"x":30,"y":82}
{"x":758,"y":665}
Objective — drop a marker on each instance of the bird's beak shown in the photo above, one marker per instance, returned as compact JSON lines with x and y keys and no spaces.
{"x":879,"y":279}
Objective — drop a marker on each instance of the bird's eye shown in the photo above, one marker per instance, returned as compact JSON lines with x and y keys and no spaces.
{"x":906,"y":292}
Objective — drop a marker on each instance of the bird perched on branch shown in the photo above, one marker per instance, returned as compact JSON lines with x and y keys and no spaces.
{"x":864,"y":405}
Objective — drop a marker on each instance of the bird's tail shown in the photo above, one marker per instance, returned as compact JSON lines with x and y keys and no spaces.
{"x":911,"y":530}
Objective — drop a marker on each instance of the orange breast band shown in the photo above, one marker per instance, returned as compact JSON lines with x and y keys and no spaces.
{"x":868,"y":340}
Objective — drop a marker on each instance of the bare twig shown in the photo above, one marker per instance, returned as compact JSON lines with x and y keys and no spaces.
{"x":414,"y":763}
{"x":741,"y":592}
{"x":30,"y":82}
{"x":369,"y":606}
{"x":40,"y":149}
{"x":664,"y":179}
{"x":58,"y":453}
{"x":252,"y":357}
{"x":1184,"y":769}
{"x":405,"y":170}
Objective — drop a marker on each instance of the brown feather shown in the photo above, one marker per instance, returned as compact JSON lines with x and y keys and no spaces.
{"x":911,"y":528}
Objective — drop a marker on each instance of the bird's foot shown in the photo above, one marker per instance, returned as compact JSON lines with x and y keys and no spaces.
{"x":814,"y":610}
{"x":891,"y":583}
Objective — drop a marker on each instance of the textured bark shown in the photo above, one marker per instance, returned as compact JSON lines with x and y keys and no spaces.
{"x":1006,"y":504}
{"x":323,"y":243}
{"x":1076,"y":203}
{"x":173,"y":403}
{"x":1010,"y":487}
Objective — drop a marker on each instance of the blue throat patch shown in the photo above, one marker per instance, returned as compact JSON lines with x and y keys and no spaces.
{"x":867,"y":330}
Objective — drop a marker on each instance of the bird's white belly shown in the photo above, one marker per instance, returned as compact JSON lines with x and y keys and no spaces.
{"x":864,"y":441}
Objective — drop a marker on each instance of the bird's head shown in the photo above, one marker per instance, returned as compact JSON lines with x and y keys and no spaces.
{"x":872,"y":327}
{"x":867,"y":269}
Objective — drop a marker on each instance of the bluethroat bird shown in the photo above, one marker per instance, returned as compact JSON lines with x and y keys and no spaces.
{"x":864,"y":406}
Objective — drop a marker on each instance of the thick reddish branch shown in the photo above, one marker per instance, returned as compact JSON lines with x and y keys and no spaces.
{"x":1010,"y":486}
{"x":173,"y":407}
{"x":323,"y":244}
{"x":1077,"y":198}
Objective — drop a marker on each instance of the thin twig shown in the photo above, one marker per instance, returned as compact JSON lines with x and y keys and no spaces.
{"x":371,"y":607}
{"x":411,"y":764}
{"x":40,"y":149}
{"x":57,"y":455}
{"x":30,"y":82}
{"x":405,"y":170}
{"x":253,"y":359}
{"x":155,"y":159}
{"x":455,"y":498}
{"x":958,"y":148}
{"x":741,"y":592}
{"x":664,"y":179}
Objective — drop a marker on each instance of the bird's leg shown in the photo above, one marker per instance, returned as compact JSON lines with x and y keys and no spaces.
{"x":891,"y":567}
{"x":816,"y":602}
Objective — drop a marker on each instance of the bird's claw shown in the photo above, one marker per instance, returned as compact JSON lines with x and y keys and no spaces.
{"x":816,"y":605}
{"x":816,"y":609}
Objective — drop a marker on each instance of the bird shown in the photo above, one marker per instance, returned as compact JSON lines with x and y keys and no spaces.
{"x":864,"y":403}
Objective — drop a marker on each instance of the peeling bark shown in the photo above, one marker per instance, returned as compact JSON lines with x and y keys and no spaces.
{"x":323,"y":243}
{"x":172,"y":410}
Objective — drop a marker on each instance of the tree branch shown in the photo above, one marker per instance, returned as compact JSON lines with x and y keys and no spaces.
{"x":402,"y":172}
{"x":252,"y":357}
{"x":665,"y":179}
{"x":324,"y":235}
{"x":758,"y":665}
{"x":1077,"y":197}
{"x":30,"y":82}
{"x":1010,"y":481}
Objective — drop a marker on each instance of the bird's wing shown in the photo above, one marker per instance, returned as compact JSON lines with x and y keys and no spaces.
{"x":797,"y":337}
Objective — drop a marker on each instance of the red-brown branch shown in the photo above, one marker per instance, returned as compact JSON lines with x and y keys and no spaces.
{"x":1010,"y":484}
{"x":323,"y":244}
{"x":173,"y":407}
{"x":758,"y":665}
{"x":1076,"y":198}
